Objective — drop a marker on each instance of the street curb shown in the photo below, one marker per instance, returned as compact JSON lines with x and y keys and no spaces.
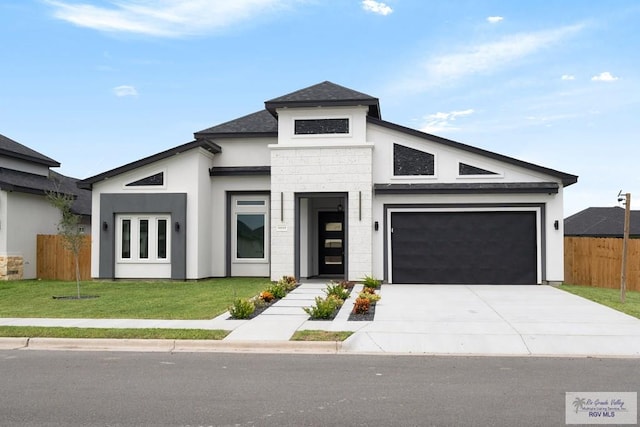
{"x":170,"y":346}
{"x":13,"y":343}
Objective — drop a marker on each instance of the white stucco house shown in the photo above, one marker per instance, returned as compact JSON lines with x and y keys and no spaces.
{"x":316,"y":184}
{"x":25,"y":178}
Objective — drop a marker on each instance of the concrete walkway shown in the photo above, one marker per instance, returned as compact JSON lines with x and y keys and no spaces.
{"x":422,"y":319}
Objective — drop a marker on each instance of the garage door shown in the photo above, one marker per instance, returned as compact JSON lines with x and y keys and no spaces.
{"x":464,"y":247}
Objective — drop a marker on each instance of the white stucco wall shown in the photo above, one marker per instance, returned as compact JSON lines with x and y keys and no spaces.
{"x":217,"y":216}
{"x":446,"y":171}
{"x":186,"y":172}
{"x":27,"y":215}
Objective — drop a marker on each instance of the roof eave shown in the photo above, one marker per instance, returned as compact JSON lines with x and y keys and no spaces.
{"x":47,"y":162}
{"x":373,"y":104}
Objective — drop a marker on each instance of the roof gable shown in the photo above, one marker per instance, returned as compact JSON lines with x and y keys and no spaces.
{"x":601,"y":222}
{"x":325,"y":94}
{"x":567,"y":179}
{"x":11,"y":148}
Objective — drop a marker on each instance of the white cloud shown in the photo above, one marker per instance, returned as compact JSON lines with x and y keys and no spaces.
{"x":604,"y":77}
{"x":162,"y":18}
{"x":125,"y":90}
{"x":494,"y":19}
{"x":482,"y":58}
{"x":376,"y":7}
{"x":568,"y":77}
{"x":441,"y":122}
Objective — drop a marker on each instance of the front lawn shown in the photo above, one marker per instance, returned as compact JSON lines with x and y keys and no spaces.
{"x":126,"y":300}
{"x":608,"y":297}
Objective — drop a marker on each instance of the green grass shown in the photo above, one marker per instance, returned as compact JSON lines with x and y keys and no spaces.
{"x":173,"y":334}
{"x":608,"y":297}
{"x":313,"y":335}
{"x":126,"y":300}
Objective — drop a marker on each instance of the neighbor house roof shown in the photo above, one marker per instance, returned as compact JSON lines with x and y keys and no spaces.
{"x":24,"y":182}
{"x":325,"y":94}
{"x":601,"y":222}
{"x":11,"y":148}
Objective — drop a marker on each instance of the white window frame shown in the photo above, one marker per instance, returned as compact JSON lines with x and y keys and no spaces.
{"x":413,"y":177}
{"x":257,"y":209}
{"x":135,"y":238}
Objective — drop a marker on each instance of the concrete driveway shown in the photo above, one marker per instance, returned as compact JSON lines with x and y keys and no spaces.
{"x":494,"y":320}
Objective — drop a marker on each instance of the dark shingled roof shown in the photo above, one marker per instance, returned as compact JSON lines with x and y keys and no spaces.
{"x":261,"y":123}
{"x":23,"y":182}
{"x":601,"y":222}
{"x":325,"y":94}
{"x":11,"y":148}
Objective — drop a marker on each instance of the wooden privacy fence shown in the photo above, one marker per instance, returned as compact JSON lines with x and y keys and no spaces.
{"x":597,"y":262}
{"x":57,"y":263}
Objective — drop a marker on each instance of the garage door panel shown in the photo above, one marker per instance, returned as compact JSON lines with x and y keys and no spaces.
{"x":464,"y":247}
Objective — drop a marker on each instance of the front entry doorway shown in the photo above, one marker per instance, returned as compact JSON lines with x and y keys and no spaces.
{"x":331,"y":243}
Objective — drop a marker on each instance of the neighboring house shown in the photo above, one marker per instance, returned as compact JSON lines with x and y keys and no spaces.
{"x":25,"y":177}
{"x":601,"y":222}
{"x":317,"y":184}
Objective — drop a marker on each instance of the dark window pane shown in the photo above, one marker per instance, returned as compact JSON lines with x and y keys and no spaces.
{"x":250,"y":236}
{"x":408,"y":161}
{"x":465,"y":169}
{"x":126,"y":238}
{"x":321,"y":126}
{"x":144,"y":238}
{"x":157,"y":179}
{"x":162,"y":238}
{"x":250,"y":203}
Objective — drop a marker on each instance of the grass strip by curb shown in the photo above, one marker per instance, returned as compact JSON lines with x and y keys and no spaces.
{"x":314,"y":335}
{"x":608,"y":297}
{"x":142,"y":333}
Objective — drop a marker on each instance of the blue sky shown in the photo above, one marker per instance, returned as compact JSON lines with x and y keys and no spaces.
{"x":96,"y":84}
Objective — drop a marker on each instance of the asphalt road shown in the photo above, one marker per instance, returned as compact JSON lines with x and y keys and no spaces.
{"x":55,"y":388}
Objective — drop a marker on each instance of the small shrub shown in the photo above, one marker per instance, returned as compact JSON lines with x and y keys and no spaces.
{"x":277,"y":290}
{"x":288,"y":282}
{"x":371,"y":296}
{"x":335,"y":289}
{"x":258,"y":302}
{"x":361,"y":306}
{"x":368,"y":290}
{"x":242,"y":309}
{"x":371,"y":282}
{"x":347,"y":284}
{"x":266,"y":296}
{"x":324,"y":308}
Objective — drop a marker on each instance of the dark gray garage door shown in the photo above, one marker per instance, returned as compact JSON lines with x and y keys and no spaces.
{"x":464,"y":247}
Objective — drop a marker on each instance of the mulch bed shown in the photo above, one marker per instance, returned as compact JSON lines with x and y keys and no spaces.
{"x":367,"y":317}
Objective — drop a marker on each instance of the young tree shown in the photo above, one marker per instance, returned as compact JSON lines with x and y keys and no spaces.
{"x":72,"y":237}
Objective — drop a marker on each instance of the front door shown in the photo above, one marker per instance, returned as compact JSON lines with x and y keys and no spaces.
{"x":331,"y":239}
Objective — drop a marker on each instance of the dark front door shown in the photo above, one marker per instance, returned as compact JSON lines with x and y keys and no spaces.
{"x":331,"y":239}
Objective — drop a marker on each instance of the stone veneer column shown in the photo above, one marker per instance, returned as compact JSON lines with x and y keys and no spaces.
{"x":11,"y":268}
{"x":312,"y":169}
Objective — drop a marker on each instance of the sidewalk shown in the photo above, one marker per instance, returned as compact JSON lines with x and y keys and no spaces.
{"x":410,"y":319}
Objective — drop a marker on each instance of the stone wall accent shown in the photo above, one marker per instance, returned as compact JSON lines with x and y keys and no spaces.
{"x":11,"y":268}
{"x":342,"y":169}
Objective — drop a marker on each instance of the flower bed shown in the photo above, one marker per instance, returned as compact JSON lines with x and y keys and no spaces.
{"x":252,"y":307}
